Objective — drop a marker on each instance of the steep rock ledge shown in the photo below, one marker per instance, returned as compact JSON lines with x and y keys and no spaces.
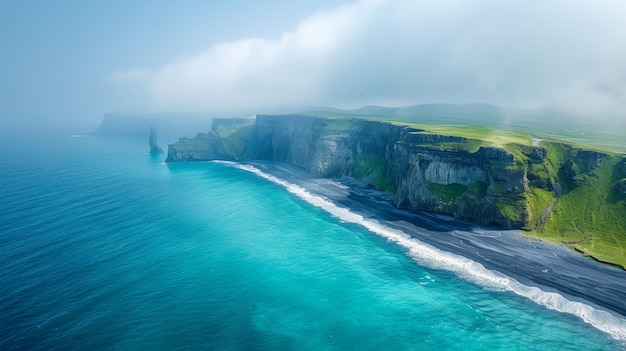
{"x":423,"y":171}
{"x":558,"y":192}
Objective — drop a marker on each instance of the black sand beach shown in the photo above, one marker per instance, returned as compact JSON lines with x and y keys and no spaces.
{"x":532,"y":263}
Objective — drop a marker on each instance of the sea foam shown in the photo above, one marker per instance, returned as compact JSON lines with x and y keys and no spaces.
{"x":463,"y":267}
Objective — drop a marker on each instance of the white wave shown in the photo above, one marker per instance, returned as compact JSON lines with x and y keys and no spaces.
{"x":465,"y":268}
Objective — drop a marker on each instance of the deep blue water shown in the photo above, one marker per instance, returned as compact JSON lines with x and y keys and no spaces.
{"x":103,"y":246}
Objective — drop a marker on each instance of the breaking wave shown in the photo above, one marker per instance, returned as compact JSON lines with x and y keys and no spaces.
{"x":463,"y":267}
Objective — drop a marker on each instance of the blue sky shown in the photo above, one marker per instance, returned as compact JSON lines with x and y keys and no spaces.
{"x":56,"y":56}
{"x":68,"y":62}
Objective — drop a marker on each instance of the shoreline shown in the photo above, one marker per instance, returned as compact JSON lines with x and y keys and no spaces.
{"x":528,"y":260}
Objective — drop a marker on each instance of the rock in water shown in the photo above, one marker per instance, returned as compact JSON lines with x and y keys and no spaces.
{"x":154,"y":143}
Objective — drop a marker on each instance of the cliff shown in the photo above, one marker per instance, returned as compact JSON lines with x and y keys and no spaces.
{"x":153,"y":141}
{"x":512,"y":185}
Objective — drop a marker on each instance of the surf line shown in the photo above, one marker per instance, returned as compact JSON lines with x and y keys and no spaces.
{"x":463,"y":267}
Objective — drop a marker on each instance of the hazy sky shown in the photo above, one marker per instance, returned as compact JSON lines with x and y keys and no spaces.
{"x":72,"y":61}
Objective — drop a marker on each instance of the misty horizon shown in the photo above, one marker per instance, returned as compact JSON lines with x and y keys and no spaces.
{"x":66,"y":66}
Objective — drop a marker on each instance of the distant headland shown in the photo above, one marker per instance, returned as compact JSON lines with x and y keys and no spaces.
{"x":139,"y":125}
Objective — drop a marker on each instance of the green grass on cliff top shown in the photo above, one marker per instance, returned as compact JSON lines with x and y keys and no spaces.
{"x":490,"y":135}
{"x":598,"y":138}
{"x":584,"y":134}
{"x":591,"y":217}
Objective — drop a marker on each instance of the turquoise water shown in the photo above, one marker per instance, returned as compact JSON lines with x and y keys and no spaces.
{"x":103,"y":246}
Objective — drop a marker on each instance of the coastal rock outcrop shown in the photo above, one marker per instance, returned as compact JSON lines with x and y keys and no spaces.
{"x":423,"y":171}
{"x":153,"y":141}
{"x":558,"y":191}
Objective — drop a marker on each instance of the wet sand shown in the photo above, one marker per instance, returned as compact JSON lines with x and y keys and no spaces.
{"x":532,"y":263}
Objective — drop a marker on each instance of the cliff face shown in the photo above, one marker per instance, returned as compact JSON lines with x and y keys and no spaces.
{"x":558,"y":192}
{"x":482,"y":186}
{"x":423,"y":171}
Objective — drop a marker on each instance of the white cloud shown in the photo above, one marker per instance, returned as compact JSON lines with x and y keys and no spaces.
{"x":513,"y":53}
{"x":290,"y":70}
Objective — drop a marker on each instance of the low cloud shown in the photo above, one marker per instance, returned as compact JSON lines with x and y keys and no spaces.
{"x":514,"y":53}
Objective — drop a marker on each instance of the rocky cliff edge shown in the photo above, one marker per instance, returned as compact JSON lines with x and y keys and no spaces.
{"x":559,"y":192}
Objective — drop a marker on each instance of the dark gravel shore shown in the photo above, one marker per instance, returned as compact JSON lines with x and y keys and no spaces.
{"x":532,"y":263}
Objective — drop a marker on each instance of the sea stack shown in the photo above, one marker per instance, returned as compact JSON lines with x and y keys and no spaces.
{"x":154,"y":142}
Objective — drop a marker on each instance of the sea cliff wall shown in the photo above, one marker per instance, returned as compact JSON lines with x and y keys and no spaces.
{"x":557,"y":191}
{"x":423,"y":171}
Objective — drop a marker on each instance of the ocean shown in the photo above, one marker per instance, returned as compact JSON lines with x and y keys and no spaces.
{"x":105,"y":247}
